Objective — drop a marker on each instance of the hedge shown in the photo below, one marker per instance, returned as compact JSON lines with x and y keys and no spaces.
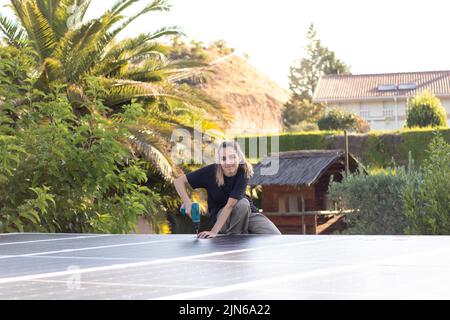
{"x":375,"y":149}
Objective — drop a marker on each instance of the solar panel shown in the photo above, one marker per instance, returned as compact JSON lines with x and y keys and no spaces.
{"x":387,"y":87}
{"x":407,"y":86}
{"x":249,"y":267}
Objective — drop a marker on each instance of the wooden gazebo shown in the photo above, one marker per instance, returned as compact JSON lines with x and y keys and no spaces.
{"x":294,"y":197}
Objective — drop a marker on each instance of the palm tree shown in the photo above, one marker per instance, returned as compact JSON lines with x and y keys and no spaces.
{"x":78,"y":54}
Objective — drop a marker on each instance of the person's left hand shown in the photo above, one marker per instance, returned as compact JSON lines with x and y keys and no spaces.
{"x":206,"y":234}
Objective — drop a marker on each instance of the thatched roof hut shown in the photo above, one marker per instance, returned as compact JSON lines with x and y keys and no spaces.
{"x":296,"y":182}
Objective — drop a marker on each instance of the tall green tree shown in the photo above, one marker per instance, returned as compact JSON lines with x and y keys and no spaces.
{"x":318,"y":61}
{"x":303,"y":79}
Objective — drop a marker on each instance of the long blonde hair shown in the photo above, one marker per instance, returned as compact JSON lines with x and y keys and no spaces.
{"x":243,"y":163}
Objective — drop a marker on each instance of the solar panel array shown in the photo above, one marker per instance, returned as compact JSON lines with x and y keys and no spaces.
{"x":249,"y":267}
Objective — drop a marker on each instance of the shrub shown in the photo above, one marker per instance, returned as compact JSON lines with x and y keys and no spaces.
{"x":304,"y":126}
{"x":427,"y":197}
{"x":69,"y":174}
{"x":426,"y":110}
{"x":298,"y":111}
{"x":376,"y":200}
{"x":341,"y":120}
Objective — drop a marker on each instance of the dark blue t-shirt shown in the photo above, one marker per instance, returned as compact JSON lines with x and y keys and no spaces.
{"x":234,"y":187}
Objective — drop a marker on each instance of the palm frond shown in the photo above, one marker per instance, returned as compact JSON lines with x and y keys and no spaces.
{"x":157,"y":5}
{"x":80,"y":48}
{"x":151,"y":69}
{"x":154,"y":156}
{"x":83,"y":6}
{"x":17,"y":7}
{"x":120,"y":5}
{"x":14,"y":34}
{"x":146,"y":49}
{"x":192,"y":97}
{"x":156,"y":124}
{"x":165,"y":31}
{"x":114,"y":16}
{"x":128,"y":51}
{"x":145,"y":75}
{"x":143,"y":39}
{"x":37,"y":28}
{"x":48,"y":8}
{"x":123,"y":91}
{"x":61,"y":14}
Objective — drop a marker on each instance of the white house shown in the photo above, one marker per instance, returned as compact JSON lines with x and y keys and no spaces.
{"x":381,"y":99}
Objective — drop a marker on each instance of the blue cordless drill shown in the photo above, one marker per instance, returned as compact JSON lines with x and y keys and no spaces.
{"x":195,"y":214}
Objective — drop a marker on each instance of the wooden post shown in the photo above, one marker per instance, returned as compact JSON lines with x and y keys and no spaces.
{"x":303,"y":216}
{"x":346,"y":153}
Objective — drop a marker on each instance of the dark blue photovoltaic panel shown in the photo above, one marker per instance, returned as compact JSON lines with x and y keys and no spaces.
{"x":82,"y":266}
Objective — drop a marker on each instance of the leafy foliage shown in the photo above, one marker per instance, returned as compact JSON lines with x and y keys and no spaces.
{"x":197,"y":51}
{"x":376,"y":200}
{"x":340,"y":120}
{"x":301,"y":110}
{"x":427,"y":197}
{"x":426,"y":110}
{"x":61,"y":171}
{"x":396,"y":201}
{"x":70,"y":174}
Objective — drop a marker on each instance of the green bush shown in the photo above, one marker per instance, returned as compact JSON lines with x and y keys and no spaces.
{"x":426,"y":110}
{"x":427,"y":197}
{"x":376,"y":200}
{"x":298,"y":111}
{"x":341,"y":120}
{"x":303,"y":126}
{"x":61,"y":171}
{"x":69,"y":174}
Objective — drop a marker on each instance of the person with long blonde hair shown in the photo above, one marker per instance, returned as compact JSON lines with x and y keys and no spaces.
{"x":229,"y":210}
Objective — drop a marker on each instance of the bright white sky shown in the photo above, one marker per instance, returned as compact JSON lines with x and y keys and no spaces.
{"x":370,"y":36}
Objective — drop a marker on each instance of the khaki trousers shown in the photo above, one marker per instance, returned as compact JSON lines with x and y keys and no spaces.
{"x":243,"y":221}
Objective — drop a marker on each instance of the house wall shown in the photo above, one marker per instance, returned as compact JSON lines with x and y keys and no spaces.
{"x":446,"y":104}
{"x":372,"y":111}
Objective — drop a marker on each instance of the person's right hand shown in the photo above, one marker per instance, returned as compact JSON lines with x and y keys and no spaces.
{"x":187,"y":208}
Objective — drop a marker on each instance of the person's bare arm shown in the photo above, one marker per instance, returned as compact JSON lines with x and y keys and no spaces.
{"x":224,"y":215}
{"x":180,"y":186}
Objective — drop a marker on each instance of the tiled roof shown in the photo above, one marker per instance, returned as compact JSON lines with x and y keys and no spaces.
{"x":358,"y":87}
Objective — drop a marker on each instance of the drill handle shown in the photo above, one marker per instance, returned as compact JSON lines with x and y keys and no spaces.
{"x":195,"y":211}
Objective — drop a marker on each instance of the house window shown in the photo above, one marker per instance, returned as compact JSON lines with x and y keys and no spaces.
{"x":364,"y":112}
{"x":282,"y":204}
{"x":388,"y":110}
{"x":293,"y":203}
